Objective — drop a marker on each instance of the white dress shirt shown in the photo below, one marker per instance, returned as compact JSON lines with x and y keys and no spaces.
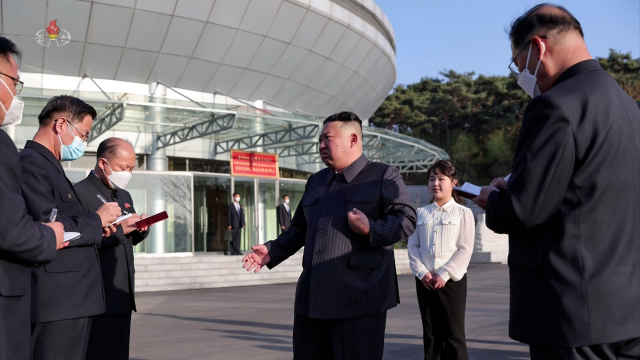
{"x":443,"y":241}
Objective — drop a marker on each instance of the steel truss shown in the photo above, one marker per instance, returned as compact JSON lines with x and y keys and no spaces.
{"x":215,"y":124}
{"x":108,"y":119}
{"x":290,"y":134}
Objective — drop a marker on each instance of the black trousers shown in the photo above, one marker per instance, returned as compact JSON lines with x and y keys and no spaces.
{"x":234,"y":244}
{"x":442,"y":313}
{"x":60,"y":340}
{"x":344,"y":339}
{"x":109,"y":338}
{"x":627,"y":349}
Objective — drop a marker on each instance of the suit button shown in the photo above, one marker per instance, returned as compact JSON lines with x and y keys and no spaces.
{"x":127,"y":245}
{"x":130,"y":263}
{"x":326,"y":210}
{"x":320,"y":230}
{"x":331,"y":192}
{"x":318,"y":252}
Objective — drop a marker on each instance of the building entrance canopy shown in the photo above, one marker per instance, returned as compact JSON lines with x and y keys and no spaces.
{"x":212,"y":130}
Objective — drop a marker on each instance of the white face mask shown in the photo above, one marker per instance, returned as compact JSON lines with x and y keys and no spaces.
{"x":237,"y":199}
{"x":286,"y":201}
{"x":13,"y":115}
{"x":118,"y":179}
{"x":527,"y":81}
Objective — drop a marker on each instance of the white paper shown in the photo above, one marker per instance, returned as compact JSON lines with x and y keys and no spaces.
{"x":68,"y":236}
{"x":123,"y":217}
{"x":469,"y":188}
{"x":506,"y":178}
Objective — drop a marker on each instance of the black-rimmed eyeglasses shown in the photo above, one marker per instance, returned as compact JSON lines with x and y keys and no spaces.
{"x":18,"y":84}
{"x":83,"y":136}
{"x":512,"y":67}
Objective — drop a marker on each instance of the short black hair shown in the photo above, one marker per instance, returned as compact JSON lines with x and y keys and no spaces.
{"x":74,"y":108}
{"x":535,"y":20}
{"x":345,"y":117}
{"x":234,"y":194}
{"x":8,"y":48}
{"x":284,"y":196}
{"x":109,"y":147}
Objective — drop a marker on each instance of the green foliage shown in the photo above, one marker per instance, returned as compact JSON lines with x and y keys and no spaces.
{"x":625,"y":70}
{"x":476,"y":120}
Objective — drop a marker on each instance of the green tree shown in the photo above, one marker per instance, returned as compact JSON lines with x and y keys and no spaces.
{"x":625,"y":70}
{"x":476,"y":120}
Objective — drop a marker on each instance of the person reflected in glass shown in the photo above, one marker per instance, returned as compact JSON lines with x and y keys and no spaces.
{"x":284,"y":214}
{"x":235,"y":224}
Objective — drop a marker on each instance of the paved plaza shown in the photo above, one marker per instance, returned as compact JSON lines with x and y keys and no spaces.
{"x":256,"y":322}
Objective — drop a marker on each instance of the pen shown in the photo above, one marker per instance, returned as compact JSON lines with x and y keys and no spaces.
{"x":54,"y":215}
{"x":104,"y":201}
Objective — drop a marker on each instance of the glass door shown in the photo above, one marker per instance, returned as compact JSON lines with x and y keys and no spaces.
{"x":267,"y":214}
{"x":246,"y":189}
{"x":293,"y":189}
{"x":212,"y":195}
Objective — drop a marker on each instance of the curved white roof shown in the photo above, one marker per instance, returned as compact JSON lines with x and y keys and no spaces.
{"x":316,"y":56}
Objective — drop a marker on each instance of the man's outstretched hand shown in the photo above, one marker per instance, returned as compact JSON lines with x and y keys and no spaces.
{"x":256,"y":259}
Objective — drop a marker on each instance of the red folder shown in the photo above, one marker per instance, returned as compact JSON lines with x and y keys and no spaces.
{"x":152,"y":220}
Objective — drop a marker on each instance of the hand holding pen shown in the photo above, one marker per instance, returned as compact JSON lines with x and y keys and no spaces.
{"x":108,"y":212}
{"x":58,"y":229}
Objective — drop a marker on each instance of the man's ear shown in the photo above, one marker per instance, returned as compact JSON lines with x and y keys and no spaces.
{"x":354,"y":140}
{"x":59,"y":125}
{"x":455,"y":182}
{"x":101,"y":164}
{"x":541,"y":47}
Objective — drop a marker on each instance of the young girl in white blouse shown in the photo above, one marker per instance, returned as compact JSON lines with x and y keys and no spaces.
{"x":439,"y":251}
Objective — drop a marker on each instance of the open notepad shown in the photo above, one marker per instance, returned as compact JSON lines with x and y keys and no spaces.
{"x":469,"y":191}
{"x":68,"y":236}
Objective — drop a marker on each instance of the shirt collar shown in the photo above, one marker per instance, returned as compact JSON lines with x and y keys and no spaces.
{"x":100,"y":185}
{"x":446,"y":207}
{"x":578,"y":69}
{"x":350,"y":171}
{"x":44,"y":152}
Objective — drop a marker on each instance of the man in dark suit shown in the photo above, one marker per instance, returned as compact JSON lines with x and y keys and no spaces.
{"x":235,"y":223}
{"x":570,"y":206}
{"x":23,"y":242}
{"x":110,"y":332}
{"x":284,"y":214}
{"x":352,"y":214}
{"x":68,"y":290}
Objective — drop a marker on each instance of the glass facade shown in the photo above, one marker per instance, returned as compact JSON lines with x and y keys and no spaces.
{"x":153,"y":192}
{"x":197,"y":207}
{"x":246,"y":189}
{"x":211,"y":196}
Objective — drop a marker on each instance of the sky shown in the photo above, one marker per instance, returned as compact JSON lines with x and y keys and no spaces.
{"x":470,"y":35}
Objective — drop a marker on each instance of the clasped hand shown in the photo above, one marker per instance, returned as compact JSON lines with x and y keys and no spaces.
{"x":432,"y":281}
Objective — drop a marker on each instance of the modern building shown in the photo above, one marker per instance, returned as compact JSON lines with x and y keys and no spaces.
{"x":186,"y":81}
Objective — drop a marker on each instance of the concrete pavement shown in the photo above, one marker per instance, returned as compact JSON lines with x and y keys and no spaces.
{"x":256,"y":322}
